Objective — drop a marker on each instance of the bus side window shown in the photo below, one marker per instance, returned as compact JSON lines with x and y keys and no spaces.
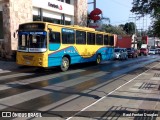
{"x":91,"y":38}
{"x":106,"y":40}
{"x":54,"y":37}
{"x":68,"y":36}
{"x":99,"y":39}
{"x":80,"y":37}
{"x":111,"y":40}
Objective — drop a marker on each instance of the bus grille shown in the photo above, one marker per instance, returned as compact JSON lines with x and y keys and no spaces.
{"x":27,"y":57}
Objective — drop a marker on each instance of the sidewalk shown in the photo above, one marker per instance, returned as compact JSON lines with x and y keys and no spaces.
{"x":7,"y":66}
{"x":136,"y":100}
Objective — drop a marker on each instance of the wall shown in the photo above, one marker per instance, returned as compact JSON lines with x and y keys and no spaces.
{"x":15,"y":12}
{"x":61,"y":6}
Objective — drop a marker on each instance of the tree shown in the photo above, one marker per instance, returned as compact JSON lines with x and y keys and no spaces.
{"x":129,"y":28}
{"x":113,"y":29}
{"x":143,"y":7}
{"x":151,"y":7}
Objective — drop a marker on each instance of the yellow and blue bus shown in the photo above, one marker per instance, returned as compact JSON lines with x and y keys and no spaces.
{"x":43,"y":44}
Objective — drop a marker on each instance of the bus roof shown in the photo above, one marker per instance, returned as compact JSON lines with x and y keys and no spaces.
{"x":77,"y":27}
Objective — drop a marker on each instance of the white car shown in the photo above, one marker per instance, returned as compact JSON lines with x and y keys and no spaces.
{"x":120,"y":53}
{"x":152,"y":51}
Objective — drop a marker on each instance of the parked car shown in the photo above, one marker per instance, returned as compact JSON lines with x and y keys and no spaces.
{"x":152,"y":51}
{"x":120,"y":53}
{"x":132,"y":52}
{"x":158,"y":50}
{"x":144,"y":51}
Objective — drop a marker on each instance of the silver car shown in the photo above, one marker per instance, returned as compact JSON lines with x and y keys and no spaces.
{"x":152,"y":51}
{"x":120,"y":53}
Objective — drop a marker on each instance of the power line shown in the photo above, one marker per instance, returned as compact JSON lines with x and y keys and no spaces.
{"x":120,"y":3}
{"x":120,"y":21}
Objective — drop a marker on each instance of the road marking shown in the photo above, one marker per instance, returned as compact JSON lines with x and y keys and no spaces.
{"x":110,"y":93}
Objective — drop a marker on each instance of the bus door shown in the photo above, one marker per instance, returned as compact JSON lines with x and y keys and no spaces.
{"x":54,"y":40}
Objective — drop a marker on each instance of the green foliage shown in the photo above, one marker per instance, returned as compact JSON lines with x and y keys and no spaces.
{"x":129,"y":28}
{"x":151,"y":7}
{"x":113,"y":29}
{"x":156,"y":28}
{"x":143,"y":7}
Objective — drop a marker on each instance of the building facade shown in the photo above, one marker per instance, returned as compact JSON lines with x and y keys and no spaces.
{"x":15,"y":12}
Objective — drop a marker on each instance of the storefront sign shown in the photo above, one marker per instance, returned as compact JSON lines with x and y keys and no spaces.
{"x":55,"y":6}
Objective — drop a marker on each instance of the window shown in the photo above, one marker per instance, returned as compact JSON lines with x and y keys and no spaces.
{"x":111,"y":40}
{"x":37,"y":41}
{"x":68,"y":1}
{"x":61,"y":0}
{"x":67,"y":22}
{"x":36,"y":18}
{"x":1,"y":25}
{"x":80,"y":37}
{"x":54,"y":37}
{"x":90,"y":38}
{"x":51,"y":20}
{"x":68,"y":36}
{"x":99,"y":39}
{"x":22,"y":42}
{"x":106,"y":40}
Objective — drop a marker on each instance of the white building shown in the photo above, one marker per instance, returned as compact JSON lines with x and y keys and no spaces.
{"x":15,"y":12}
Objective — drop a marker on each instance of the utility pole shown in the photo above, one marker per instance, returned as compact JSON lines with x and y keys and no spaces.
{"x":94,"y":4}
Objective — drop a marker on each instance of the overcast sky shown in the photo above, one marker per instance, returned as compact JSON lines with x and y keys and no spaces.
{"x":119,"y":12}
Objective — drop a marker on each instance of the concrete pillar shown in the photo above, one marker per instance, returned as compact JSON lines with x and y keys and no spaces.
{"x":15,"y":12}
{"x":80,"y":12}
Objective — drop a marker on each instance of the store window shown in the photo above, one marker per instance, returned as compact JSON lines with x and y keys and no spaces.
{"x":68,"y":1}
{"x":36,"y":18}
{"x":67,"y":22}
{"x":61,"y":0}
{"x":1,"y":25}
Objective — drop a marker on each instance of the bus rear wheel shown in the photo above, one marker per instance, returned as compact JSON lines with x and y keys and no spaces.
{"x":98,"y":59}
{"x":65,"y":64}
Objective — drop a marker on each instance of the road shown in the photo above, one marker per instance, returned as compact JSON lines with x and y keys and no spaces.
{"x":31,"y":89}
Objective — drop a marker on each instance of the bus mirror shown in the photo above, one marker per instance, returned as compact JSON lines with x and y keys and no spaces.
{"x":14,"y":34}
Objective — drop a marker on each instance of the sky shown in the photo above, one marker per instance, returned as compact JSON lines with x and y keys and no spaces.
{"x":119,"y":12}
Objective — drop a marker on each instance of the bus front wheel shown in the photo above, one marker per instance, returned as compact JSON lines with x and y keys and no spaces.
{"x":65,"y":64}
{"x":98,"y":59}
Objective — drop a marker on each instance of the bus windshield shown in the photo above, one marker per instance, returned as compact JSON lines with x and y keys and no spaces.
{"x":31,"y":42}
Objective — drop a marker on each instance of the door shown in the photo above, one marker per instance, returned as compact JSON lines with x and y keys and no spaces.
{"x":54,"y":41}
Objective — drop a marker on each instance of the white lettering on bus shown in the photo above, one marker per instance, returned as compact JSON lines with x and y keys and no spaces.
{"x":41,"y":33}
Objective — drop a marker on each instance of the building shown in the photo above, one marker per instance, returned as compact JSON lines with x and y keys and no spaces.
{"x":15,"y":12}
{"x":153,"y":42}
